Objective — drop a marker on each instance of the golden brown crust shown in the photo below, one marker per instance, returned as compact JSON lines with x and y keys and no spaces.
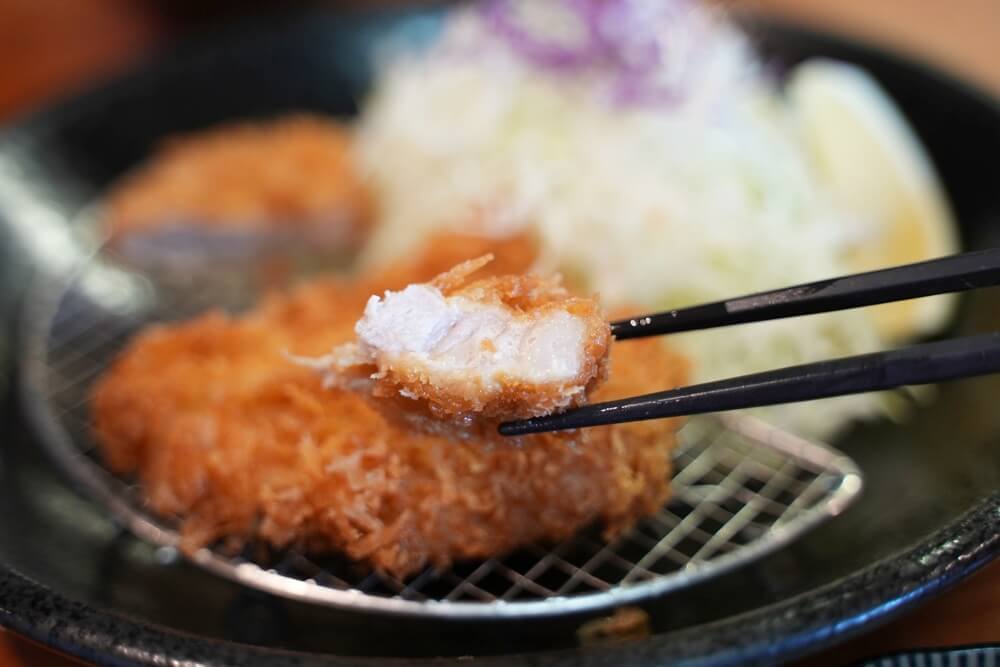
{"x":293,"y":176}
{"x":242,"y":445}
{"x":462,"y":398}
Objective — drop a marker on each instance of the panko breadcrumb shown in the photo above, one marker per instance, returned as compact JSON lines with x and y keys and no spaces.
{"x":288,"y":181}
{"x":503,"y":347}
{"x":241,"y":445}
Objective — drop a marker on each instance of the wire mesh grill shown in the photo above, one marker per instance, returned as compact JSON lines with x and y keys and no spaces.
{"x":741,"y":488}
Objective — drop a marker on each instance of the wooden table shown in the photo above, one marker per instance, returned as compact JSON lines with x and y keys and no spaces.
{"x":48,"y":47}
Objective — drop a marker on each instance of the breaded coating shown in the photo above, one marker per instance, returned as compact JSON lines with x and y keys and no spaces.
{"x":241,"y":445}
{"x":242,"y":187}
{"x":504,"y":347}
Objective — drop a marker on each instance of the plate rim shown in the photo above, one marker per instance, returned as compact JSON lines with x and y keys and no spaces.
{"x":790,"y":628}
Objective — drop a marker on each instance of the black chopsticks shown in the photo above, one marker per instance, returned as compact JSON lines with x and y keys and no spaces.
{"x":956,"y":273}
{"x":919,"y":364}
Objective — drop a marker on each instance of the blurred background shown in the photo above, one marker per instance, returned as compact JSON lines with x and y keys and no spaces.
{"x":52,"y":48}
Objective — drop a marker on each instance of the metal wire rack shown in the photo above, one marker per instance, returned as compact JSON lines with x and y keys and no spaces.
{"x":741,"y":488}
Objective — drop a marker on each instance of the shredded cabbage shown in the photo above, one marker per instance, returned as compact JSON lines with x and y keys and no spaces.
{"x":703,"y":196}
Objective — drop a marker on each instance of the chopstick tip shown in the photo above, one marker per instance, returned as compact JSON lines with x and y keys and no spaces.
{"x":532,"y":425}
{"x":522,"y":427}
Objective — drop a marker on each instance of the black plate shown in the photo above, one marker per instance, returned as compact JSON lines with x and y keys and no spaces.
{"x":68,"y":577}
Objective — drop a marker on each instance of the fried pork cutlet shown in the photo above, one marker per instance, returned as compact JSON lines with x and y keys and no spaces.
{"x":242,"y":445}
{"x":504,"y":347}
{"x":243,"y":188}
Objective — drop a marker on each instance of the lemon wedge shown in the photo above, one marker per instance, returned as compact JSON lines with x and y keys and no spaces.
{"x":872,"y":162}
